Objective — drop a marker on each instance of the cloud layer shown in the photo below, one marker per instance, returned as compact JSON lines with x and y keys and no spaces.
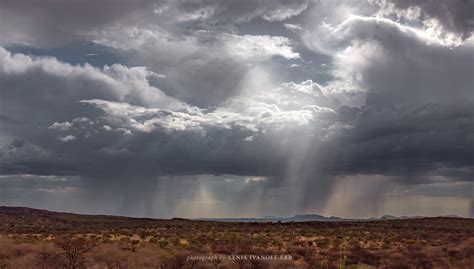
{"x":206,"y":104}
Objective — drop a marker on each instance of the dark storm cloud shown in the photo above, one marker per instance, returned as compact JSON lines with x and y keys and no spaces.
{"x":392,"y":141}
{"x":43,"y":119}
{"x":54,"y":21}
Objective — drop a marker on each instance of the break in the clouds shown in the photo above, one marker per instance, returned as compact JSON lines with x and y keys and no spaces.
{"x":238,"y":108}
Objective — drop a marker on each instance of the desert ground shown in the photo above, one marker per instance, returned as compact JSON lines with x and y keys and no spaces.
{"x":31,"y":238}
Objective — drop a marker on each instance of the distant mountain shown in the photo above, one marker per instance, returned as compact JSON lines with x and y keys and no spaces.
{"x":388,"y":217}
{"x":296,"y":218}
{"x":308,"y":217}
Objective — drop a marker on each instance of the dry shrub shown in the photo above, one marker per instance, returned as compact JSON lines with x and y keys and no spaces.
{"x":397,"y":261}
{"x":24,"y":255}
{"x":46,"y":260}
{"x":112,"y":256}
{"x":24,"y":261}
{"x":145,"y":257}
{"x":361,"y":255}
{"x":128,"y":244}
{"x":226,"y":249}
{"x":11,"y":249}
{"x":177,"y":260}
{"x":297,"y":251}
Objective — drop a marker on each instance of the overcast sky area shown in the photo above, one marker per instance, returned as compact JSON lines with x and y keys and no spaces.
{"x":238,"y":108}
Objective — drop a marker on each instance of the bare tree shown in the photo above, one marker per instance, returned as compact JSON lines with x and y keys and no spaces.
{"x":73,"y":252}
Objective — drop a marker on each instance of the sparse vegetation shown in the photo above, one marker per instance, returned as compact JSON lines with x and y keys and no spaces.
{"x":42,"y":239}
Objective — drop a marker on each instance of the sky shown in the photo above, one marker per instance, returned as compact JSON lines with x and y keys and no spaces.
{"x":238,"y":108}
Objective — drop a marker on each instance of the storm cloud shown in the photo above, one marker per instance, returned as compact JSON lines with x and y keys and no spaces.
{"x":238,"y":108}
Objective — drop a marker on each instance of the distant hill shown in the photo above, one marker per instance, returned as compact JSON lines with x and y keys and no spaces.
{"x":29,"y":220}
{"x":18,"y":214}
{"x":296,"y":218}
{"x":312,"y":217}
